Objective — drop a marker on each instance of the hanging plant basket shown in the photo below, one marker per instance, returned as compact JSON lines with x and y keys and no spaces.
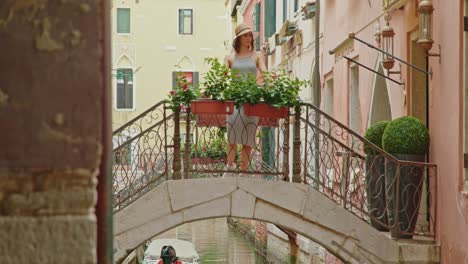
{"x":264,"y":110}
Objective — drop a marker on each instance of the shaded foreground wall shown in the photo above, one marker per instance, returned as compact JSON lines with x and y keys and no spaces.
{"x":52,"y":105}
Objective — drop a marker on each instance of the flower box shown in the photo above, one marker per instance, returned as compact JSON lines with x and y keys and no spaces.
{"x":208,"y":106}
{"x":264,"y":110}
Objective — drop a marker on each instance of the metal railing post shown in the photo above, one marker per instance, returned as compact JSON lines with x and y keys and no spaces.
{"x":396,"y":229}
{"x":286,"y":149}
{"x":188,"y":147}
{"x":176,"y":166}
{"x":297,"y":146}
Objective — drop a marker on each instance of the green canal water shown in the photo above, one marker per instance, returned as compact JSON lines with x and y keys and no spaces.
{"x":216,"y":242}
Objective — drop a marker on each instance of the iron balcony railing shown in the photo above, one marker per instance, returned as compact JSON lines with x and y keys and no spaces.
{"x":308,"y":147}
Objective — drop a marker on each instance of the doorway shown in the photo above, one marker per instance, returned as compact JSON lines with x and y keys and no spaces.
{"x":418,"y":81}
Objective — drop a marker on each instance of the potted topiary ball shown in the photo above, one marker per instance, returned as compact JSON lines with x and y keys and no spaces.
{"x":375,"y":176}
{"x":406,"y":138}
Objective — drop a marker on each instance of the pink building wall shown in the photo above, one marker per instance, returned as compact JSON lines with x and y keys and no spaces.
{"x":445,"y":96}
{"x":447,"y":92}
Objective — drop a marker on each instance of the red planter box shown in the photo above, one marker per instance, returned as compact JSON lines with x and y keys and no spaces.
{"x":208,"y":106}
{"x":264,"y":110}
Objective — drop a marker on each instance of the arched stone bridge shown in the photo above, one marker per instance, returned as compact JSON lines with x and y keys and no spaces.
{"x":297,"y":207}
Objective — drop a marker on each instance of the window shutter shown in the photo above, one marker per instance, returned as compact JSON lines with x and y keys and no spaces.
{"x":123,"y":20}
{"x":257,"y":17}
{"x":270,"y":18}
{"x":257,"y":43}
{"x":128,"y":81}
{"x":195,"y":79}
{"x":120,"y":90}
{"x":181,"y":21}
{"x":296,"y":5}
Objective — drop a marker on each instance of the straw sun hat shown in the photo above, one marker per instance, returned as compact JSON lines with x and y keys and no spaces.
{"x":242,"y":29}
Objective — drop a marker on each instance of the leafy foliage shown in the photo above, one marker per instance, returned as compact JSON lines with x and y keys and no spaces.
{"x":180,"y":96}
{"x":406,"y":135}
{"x":281,"y":90}
{"x":244,"y":90}
{"x":217,"y":79}
{"x":374,"y":134}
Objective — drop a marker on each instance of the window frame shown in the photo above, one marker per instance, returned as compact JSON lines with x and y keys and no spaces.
{"x":179,"y":22}
{"x":129,"y":21}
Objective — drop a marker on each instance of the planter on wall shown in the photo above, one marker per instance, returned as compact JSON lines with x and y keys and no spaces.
{"x":408,"y":195}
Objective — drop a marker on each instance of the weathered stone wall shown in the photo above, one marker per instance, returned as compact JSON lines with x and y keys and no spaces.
{"x":51,"y":120}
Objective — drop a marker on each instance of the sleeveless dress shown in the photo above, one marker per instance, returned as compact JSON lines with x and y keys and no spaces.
{"x":241,"y":128}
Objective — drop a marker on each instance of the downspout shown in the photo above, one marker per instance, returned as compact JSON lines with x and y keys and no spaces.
{"x":317,"y":91}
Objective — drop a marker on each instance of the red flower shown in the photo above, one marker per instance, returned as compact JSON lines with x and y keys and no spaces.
{"x":185,"y":87}
{"x":182,"y":107}
{"x":172,"y":92}
{"x":203,"y":149}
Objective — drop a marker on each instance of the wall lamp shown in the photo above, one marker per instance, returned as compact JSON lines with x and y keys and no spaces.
{"x":426,"y":10}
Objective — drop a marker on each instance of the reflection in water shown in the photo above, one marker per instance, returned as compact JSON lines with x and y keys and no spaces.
{"x":216,"y":242}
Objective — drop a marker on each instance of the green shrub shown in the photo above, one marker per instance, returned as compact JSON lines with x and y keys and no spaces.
{"x":374,"y":134}
{"x":406,"y":135}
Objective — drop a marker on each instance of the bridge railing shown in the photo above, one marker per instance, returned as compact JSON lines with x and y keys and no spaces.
{"x":307,"y":146}
{"x":392,"y":195}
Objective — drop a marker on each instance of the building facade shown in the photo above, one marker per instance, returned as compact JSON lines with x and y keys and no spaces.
{"x":359,"y":96}
{"x":151,"y":40}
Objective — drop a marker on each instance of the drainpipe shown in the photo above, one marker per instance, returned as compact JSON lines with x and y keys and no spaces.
{"x":317,"y":95}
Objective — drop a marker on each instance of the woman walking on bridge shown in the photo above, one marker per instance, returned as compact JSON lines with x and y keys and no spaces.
{"x":241,"y":129}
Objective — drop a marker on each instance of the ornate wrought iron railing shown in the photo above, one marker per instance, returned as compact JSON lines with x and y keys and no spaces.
{"x":308,"y":146}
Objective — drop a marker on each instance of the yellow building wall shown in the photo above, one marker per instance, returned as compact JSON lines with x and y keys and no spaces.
{"x":154,"y":47}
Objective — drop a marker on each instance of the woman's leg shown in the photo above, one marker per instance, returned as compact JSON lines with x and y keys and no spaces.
{"x":245,"y":157}
{"x":231,"y":155}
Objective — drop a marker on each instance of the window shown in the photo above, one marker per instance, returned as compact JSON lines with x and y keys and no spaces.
{"x":296,"y":5}
{"x":354,"y":108}
{"x":191,"y":77}
{"x":270,"y":18}
{"x":124,"y":89}
{"x":123,"y":20}
{"x":185,"y":21}
{"x":329,"y":97}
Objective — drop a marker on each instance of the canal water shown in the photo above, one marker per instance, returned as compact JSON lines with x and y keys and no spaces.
{"x":216,"y":242}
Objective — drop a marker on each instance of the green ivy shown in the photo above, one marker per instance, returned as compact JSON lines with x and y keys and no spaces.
{"x":374,"y":134}
{"x":406,"y":135}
